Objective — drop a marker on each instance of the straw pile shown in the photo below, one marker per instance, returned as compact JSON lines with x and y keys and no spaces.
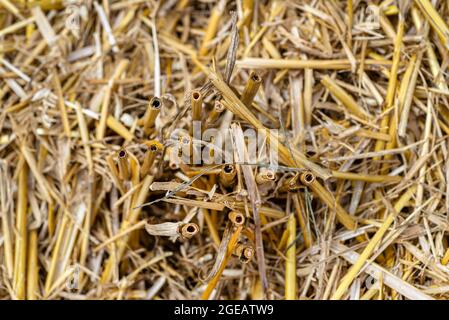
{"x":94,"y":204}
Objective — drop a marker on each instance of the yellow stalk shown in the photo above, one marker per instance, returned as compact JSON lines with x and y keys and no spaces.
{"x":308,"y":94}
{"x":230,"y":249}
{"x":123,"y":165}
{"x":248,"y":8}
{"x":154,"y":148}
{"x":445,"y":258}
{"x":11,"y":8}
{"x":114,"y":173}
{"x":61,"y":104}
{"x":357,"y":266}
{"x":213,"y":231}
{"x":431,"y":56}
{"x":337,"y":64}
{"x":33,"y":268}
{"x":304,"y":225}
{"x":276,"y":10}
{"x":290,"y":263}
{"x":84,"y":132}
{"x":119,"y":128}
{"x":251,"y":88}
{"x":366,"y":178}
{"x":149,"y":119}
{"x":212,"y":28}
{"x":16,"y":26}
{"x":435,"y":20}
{"x":131,"y":219}
{"x":197,"y":105}
{"x":101,"y":129}
{"x":391,"y":89}
{"x":342,"y":96}
{"x":20,"y":251}
{"x":327,"y":198}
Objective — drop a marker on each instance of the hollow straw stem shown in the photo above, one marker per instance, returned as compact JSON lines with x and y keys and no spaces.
{"x":123,"y":165}
{"x":154,"y":148}
{"x":227,"y":175}
{"x":196,"y":100}
{"x":245,"y":253}
{"x":153,"y":109}
{"x":188,"y":230}
{"x":294,"y":158}
{"x":251,"y":88}
{"x":392,"y":83}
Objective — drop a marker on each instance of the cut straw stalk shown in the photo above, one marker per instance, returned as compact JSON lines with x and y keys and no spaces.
{"x":227,"y":175}
{"x":290,"y":262}
{"x":215,"y":113}
{"x":154,"y":148}
{"x":11,"y":8}
{"x":342,"y":64}
{"x":251,"y":88}
{"x":196,"y":100}
{"x":357,"y":266}
{"x":236,"y":106}
{"x":149,"y":119}
{"x":123,"y":165}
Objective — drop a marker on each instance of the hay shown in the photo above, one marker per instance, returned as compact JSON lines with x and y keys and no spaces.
{"x":96,"y":203}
